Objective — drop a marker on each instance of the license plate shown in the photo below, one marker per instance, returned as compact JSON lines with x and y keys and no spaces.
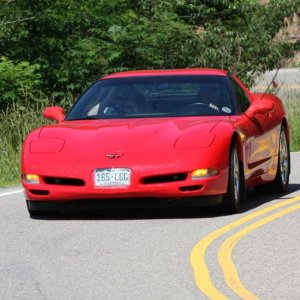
{"x":112,"y":177}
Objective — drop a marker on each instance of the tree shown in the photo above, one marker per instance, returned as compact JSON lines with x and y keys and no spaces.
{"x":74,"y":42}
{"x":240,"y":35}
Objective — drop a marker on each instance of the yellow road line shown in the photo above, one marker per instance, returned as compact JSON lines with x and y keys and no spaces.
{"x":197,"y":256}
{"x":224,"y":255}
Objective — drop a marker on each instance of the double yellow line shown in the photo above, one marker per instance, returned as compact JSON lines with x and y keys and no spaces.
{"x":230,"y":273}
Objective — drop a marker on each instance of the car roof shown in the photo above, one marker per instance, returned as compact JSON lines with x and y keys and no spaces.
{"x":141,"y":73}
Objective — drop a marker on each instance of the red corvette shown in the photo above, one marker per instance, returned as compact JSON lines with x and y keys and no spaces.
{"x":181,"y":137}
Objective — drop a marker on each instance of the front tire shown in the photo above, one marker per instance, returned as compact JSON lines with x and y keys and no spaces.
{"x":235,"y":191}
{"x":281,"y":182}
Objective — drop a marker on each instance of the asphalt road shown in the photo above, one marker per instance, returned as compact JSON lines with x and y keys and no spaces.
{"x":286,"y":82}
{"x":153,"y":254}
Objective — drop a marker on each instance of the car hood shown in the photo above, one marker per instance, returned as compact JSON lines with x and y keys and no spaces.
{"x":128,"y":134}
{"x":138,"y":143}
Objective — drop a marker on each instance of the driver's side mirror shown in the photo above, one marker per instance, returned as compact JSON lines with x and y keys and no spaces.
{"x":54,"y":113}
{"x":261,"y":107}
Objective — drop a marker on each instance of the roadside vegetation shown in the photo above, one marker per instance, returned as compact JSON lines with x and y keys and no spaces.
{"x":15,"y":123}
{"x":50,"y":51}
{"x":293,"y":109}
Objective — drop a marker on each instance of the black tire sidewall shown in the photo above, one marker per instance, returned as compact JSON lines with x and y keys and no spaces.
{"x":232,"y":205}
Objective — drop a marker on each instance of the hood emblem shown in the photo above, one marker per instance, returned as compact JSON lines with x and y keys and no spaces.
{"x":114,"y":155}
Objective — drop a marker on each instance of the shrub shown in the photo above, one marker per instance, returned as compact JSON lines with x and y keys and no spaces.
{"x":19,"y":83}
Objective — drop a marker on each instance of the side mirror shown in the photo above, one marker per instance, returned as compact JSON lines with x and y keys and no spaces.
{"x":54,"y":113}
{"x":261,"y":107}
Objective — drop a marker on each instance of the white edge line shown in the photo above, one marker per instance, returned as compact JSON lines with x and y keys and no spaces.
{"x":11,"y":193}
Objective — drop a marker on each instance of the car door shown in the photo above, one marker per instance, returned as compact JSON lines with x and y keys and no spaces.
{"x":261,"y":142}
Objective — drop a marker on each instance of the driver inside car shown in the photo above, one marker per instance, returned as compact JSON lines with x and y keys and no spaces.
{"x":126,"y":101}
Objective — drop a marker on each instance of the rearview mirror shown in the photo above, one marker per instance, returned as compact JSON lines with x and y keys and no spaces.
{"x":261,"y":107}
{"x":54,"y":113}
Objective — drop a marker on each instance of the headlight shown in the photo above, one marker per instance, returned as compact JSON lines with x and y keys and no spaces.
{"x":203,"y":173}
{"x":31,"y":178}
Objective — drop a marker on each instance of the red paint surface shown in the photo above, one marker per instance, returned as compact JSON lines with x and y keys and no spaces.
{"x":153,"y":146}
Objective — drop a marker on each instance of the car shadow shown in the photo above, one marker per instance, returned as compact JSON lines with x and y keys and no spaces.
{"x":252,"y":201}
{"x":255,"y":199}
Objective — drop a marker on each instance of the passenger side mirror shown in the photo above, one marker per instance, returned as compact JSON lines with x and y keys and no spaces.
{"x":259,"y":107}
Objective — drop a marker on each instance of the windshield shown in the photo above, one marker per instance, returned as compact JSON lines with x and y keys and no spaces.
{"x":155,"y":96}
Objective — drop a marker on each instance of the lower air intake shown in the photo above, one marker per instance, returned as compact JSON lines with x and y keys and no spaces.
{"x":64,"y":181}
{"x":165,"y":178}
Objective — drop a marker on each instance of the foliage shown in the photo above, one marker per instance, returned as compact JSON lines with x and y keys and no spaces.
{"x":293,"y":109}
{"x":15,"y":123}
{"x":19,"y":82}
{"x":74,"y":42}
{"x":240,"y":36}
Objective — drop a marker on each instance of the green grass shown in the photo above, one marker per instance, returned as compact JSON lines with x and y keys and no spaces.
{"x":292,"y":105}
{"x":17,"y":122}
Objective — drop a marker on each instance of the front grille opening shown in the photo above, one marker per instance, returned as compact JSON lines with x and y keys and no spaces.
{"x":165,"y":178}
{"x":64,"y":181}
{"x":39,"y":192}
{"x":190,"y":188}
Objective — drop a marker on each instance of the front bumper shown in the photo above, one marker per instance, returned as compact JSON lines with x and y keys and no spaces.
{"x":187,"y":188}
{"x":85,"y":204}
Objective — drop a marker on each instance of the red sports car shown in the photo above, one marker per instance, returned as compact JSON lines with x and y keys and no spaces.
{"x":171,"y":137}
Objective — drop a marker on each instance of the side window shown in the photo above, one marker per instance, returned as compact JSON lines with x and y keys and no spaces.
{"x":241,"y":98}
